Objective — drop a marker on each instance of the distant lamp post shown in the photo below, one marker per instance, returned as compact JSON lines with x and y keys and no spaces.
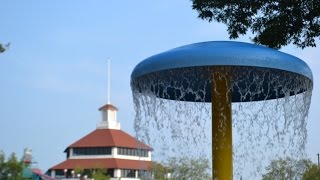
{"x":65,"y":172}
{"x":78,"y":175}
{"x":318,"y":161}
{"x":72,"y":172}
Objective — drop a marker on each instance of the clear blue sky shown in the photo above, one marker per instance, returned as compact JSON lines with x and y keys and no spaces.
{"x":54,"y":76}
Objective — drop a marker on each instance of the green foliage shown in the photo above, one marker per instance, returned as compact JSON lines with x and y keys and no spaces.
{"x":182,"y":168}
{"x":100,"y":174}
{"x":4,"y":47}
{"x":159,"y":171}
{"x":187,"y":168}
{"x":78,"y":170}
{"x":10,"y":169}
{"x":275,"y":23}
{"x":312,"y":173}
{"x":286,"y":169}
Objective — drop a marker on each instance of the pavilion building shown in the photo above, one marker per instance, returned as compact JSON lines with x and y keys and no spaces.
{"x":107,"y":148}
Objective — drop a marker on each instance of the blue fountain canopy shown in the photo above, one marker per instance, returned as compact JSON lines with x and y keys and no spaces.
{"x":257,"y":73}
{"x":222,"y":53}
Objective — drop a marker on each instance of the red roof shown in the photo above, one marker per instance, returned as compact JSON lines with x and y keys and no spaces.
{"x":109,"y":138}
{"x":108,"y":106}
{"x":43,"y":176}
{"x":104,"y":163}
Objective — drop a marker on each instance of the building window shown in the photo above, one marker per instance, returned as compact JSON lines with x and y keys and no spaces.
{"x":128,"y":173}
{"x":92,"y":151}
{"x":132,"y":152}
{"x":110,"y":172}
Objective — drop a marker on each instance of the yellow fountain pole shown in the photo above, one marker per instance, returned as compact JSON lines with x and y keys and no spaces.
{"x":221,"y":124}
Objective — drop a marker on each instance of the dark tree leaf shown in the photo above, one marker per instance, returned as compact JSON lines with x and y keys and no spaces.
{"x":275,"y":23}
{"x":2,"y":49}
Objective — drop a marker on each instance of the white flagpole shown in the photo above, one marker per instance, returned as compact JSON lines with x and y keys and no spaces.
{"x":109,"y":78}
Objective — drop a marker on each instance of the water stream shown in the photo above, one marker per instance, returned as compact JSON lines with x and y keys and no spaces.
{"x":269,"y":115}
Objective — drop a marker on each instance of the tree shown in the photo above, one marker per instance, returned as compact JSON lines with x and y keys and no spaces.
{"x":159,"y":171}
{"x":78,"y":170}
{"x":4,"y":47}
{"x":10,"y":169}
{"x":312,"y":173}
{"x":276,"y":23}
{"x":288,"y":168}
{"x":100,"y":174}
{"x":187,"y":168}
{"x":182,"y":168}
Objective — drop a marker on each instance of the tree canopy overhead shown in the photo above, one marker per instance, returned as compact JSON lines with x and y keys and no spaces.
{"x":274,"y":23}
{"x":4,"y":47}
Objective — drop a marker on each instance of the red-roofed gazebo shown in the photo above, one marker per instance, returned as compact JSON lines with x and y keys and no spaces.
{"x":107,"y":148}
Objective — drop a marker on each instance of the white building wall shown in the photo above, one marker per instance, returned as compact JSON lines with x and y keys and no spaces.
{"x":70,"y":152}
{"x":53,"y":173}
{"x":117,"y":173}
{"x":114,"y":151}
{"x":109,"y":120}
{"x":91,"y":157}
{"x":133,"y":158}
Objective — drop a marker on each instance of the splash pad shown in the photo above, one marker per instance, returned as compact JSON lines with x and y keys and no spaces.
{"x":229,"y":75}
